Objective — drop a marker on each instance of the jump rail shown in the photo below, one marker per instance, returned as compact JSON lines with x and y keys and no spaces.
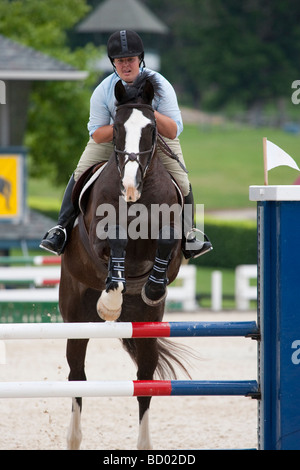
{"x":130,"y":388}
{"x":35,"y":260}
{"x":126,"y":330}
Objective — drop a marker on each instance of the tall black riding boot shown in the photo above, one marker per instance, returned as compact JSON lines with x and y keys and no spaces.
{"x":191,"y":246}
{"x":55,"y":240}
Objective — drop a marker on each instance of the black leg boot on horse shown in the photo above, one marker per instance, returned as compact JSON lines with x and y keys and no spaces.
{"x":191,"y":246}
{"x":55,"y":240}
{"x":155,"y":289}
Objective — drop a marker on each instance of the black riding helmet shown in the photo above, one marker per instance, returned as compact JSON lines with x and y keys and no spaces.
{"x":125,"y":43}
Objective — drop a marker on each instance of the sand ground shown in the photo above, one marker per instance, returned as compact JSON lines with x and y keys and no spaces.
{"x":112,"y":423}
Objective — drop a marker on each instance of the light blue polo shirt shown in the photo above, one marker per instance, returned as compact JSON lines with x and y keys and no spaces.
{"x":102,"y":103}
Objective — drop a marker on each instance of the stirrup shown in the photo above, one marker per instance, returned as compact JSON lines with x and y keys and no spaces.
{"x":187,"y":246}
{"x":49,"y":245}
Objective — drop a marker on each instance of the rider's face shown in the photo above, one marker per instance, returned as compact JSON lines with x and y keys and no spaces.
{"x":127,"y":68}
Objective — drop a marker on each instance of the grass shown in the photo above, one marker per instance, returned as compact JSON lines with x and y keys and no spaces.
{"x":44,"y":196}
{"x":224,"y":161}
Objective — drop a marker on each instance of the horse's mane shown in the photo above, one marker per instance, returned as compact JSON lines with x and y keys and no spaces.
{"x":134,"y":91}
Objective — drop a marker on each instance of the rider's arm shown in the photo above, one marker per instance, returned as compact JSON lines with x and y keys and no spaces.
{"x":169,"y":121}
{"x":103,"y":134}
{"x":166,"y":126}
{"x":102,"y":105}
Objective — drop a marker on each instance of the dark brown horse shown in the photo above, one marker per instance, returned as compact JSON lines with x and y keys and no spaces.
{"x":119,"y":258}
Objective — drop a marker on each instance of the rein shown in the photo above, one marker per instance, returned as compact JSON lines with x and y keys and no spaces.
{"x":168,"y":151}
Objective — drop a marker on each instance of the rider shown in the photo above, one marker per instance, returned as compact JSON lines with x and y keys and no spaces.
{"x":126,"y":52}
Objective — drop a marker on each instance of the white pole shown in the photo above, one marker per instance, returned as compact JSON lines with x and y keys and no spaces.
{"x":216,"y":291}
{"x":66,"y":389}
{"x":65,"y":330}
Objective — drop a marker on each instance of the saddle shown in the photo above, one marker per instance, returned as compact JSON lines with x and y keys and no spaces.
{"x":84,"y":184}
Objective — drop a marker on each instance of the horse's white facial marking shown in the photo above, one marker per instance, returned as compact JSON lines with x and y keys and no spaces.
{"x":133,"y":126}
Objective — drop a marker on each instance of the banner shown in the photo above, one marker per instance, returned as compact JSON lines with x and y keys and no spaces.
{"x":278,"y":157}
{"x":274,"y":156}
{"x":11,"y":186}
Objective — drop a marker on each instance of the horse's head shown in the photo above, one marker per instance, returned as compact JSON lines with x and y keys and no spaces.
{"x":134,"y":136}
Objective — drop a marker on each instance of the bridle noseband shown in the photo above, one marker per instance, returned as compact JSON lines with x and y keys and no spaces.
{"x":134,"y":156}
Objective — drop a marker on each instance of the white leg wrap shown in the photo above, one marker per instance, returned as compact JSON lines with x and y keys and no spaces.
{"x":144,"y":439}
{"x":74,"y":435}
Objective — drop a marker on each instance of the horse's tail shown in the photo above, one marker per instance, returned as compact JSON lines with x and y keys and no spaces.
{"x":170,"y":357}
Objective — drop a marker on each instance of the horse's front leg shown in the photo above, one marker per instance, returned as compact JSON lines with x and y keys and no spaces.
{"x":109,"y":305}
{"x":155,"y":289}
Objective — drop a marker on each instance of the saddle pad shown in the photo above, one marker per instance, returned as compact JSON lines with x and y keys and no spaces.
{"x":179,"y":191}
{"x":88,"y":185}
{"x":95,"y":175}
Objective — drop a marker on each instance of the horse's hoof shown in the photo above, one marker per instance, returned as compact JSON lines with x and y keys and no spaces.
{"x":105,"y":313}
{"x":152,"y":302}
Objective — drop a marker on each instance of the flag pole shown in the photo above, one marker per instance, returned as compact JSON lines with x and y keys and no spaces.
{"x":265,"y":161}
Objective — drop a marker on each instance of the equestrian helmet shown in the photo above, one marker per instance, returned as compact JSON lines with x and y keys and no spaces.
{"x":125,"y":43}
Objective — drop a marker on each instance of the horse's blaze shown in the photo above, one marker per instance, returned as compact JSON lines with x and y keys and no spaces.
{"x":131,"y":194}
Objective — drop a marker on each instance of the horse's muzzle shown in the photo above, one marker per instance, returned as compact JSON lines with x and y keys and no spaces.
{"x":131,"y":194}
{"x":132,"y":181}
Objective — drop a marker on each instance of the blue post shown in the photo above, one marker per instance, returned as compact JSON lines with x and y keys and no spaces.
{"x":278,"y":217}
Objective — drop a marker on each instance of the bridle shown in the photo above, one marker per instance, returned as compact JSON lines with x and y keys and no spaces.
{"x":134,"y":156}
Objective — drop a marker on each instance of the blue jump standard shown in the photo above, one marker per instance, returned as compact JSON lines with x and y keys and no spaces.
{"x":278,"y":226}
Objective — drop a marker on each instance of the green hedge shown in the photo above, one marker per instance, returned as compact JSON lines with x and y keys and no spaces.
{"x":234,"y":243}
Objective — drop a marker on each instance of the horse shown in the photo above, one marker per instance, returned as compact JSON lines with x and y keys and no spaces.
{"x":112,"y":269}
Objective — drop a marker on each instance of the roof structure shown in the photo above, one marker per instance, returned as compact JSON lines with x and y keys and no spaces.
{"x":19,"y":66}
{"x":18,"y":62}
{"x":28,"y":232}
{"x":113,"y":15}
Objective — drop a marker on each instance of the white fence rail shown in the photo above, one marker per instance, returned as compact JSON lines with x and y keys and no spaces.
{"x":244,"y":291}
{"x":39,"y":277}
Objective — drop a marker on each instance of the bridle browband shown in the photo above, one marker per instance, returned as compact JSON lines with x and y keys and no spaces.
{"x":133,"y":156}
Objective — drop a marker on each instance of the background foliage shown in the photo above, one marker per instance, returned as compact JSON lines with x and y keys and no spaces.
{"x":58,"y":111}
{"x":225,"y":52}
{"x":236,"y":58}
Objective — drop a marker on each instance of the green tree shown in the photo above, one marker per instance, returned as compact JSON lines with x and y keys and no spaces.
{"x":224,"y":51}
{"x":58,"y":111}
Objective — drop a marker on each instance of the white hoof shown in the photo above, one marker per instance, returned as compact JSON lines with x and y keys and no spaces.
{"x":107,"y":314}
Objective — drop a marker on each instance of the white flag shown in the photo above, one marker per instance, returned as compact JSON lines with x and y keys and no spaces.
{"x":277,"y":157}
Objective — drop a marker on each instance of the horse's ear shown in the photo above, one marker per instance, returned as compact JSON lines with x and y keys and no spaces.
{"x":120,"y":91}
{"x":148,"y":92}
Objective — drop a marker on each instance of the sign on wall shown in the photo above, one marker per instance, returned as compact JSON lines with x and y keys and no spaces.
{"x":12,"y":187}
